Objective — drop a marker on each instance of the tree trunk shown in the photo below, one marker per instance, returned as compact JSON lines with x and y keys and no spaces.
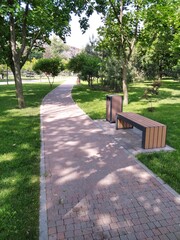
{"x":16,"y":63}
{"x":7,"y":75}
{"x":124,"y":83}
{"x":18,"y":85}
{"x":160,"y":70}
{"x":91,"y":81}
{"x":88,"y":79}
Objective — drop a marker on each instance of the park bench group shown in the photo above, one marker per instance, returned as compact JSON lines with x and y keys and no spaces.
{"x":153,"y":132}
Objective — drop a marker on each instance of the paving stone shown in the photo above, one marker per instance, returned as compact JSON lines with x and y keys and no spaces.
{"x":163,"y":237}
{"x":149,"y":233}
{"x":52,"y":237}
{"x":123,"y":237}
{"x":172,"y":236}
{"x":177,"y":234}
{"x":114,"y":233}
{"x":60,"y":236}
{"x":131,"y":236}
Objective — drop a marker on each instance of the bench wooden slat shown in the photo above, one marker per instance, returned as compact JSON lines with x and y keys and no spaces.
{"x":147,"y":138}
{"x":152,"y":131}
{"x":164,"y":136}
{"x":155,"y":138}
{"x":160,"y":137}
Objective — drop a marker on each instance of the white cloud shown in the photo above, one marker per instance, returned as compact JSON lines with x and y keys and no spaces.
{"x":79,"y":40}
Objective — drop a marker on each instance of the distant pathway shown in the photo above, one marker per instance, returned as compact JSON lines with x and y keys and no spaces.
{"x":95,"y":190}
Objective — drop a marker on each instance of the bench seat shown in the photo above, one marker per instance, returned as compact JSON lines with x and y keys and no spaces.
{"x":153,"y":133}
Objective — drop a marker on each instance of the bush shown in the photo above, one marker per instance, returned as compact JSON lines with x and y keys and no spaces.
{"x":51,"y":67}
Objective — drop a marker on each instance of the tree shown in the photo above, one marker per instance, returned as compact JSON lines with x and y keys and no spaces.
{"x":28,"y":67}
{"x":125,"y":23}
{"x":27,"y":25}
{"x":50,"y":67}
{"x":158,"y":48}
{"x":55,"y":48}
{"x":91,"y":46}
{"x":36,"y":54}
{"x":151,"y":92}
{"x":110,"y":73}
{"x":86,"y":65}
{"x":122,"y":21}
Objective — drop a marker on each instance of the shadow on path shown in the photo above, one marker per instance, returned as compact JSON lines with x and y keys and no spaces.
{"x":94,"y":189}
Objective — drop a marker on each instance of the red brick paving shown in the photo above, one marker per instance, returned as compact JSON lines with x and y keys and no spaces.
{"x":94,"y":188}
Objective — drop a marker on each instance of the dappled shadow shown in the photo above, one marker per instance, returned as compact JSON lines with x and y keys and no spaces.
{"x":163,"y":94}
{"x":19,"y":163}
{"x":87,"y":94}
{"x":171,"y":84}
{"x":94,"y":189}
{"x":19,"y":174}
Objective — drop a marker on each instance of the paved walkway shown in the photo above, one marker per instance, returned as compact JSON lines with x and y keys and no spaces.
{"x":94,"y":188}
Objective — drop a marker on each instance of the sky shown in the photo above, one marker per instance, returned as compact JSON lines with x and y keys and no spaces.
{"x":79,"y":40}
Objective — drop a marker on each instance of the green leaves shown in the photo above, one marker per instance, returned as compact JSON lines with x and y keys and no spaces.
{"x":158,"y":46}
{"x":35,"y":20}
{"x":51,"y":66}
{"x":86,"y":64}
{"x":28,"y":24}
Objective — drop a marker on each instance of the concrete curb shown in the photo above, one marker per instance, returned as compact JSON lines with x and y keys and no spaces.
{"x":43,"y":232}
{"x":165,"y":185}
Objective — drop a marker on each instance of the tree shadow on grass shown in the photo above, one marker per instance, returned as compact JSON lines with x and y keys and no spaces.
{"x":85,"y":94}
{"x":166,"y":165}
{"x":19,"y":178}
{"x":19,"y":162}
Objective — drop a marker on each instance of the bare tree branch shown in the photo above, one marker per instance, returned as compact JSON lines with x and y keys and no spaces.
{"x":24,"y":30}
{"x":30,"y":48}
{"x":115,"y":11}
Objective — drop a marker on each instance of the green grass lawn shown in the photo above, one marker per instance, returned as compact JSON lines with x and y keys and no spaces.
{"x":35,"y":77}
{"x":167,"y":110}
{"x":20,"y":162}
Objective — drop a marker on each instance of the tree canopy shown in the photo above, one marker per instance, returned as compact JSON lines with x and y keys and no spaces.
{"x":50,"y":67}
{"x":142,"y":34}
{"x":159,"y":46}
{"x":86,"y":65}
{"x":27,"y":25}
{"x":122,"y":24}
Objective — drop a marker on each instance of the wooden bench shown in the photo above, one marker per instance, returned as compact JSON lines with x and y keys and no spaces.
{"x":153,"y":133}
